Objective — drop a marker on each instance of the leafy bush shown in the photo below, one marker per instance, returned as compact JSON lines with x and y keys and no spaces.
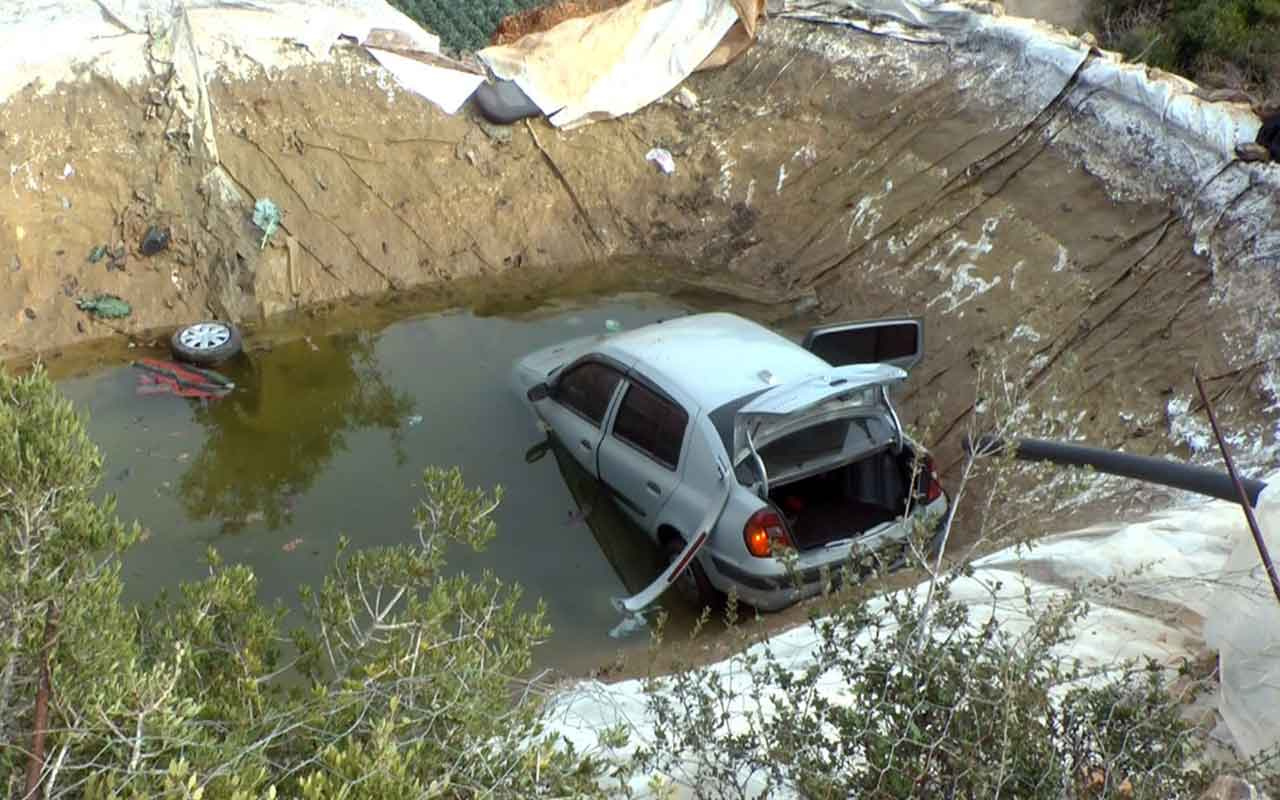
{"x":463,"y":24}
{"x":1229,"y":42}
{"x":929,"y":705}
{"x":400,"y":684}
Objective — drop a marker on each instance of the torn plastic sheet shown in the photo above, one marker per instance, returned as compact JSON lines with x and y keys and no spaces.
{"x":1216,"y":126}
{"x":1175,"y":561}
{"x":615,"y":62}
{"x":447,"y":88}
{"x":43,"y":42}
{"x":1243,"y":624}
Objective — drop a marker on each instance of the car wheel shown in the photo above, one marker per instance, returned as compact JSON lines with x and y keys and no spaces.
{"x":692,"y":585}
{"x":206,"y":343}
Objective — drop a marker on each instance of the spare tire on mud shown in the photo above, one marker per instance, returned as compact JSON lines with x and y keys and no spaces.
{"x":205,"y":343}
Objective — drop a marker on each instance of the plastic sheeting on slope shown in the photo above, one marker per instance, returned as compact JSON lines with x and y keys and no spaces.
{"x":614,"y":62}
{"x":44,"y":42}
{"x":1244,"y":626}
{"x":1219,"y":126}
{"x":1172,"y":571}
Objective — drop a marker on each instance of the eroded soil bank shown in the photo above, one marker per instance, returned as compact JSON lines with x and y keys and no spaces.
{"x":834,"y":174}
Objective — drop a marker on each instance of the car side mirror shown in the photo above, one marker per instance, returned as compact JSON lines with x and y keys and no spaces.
{"x":539,"y":391}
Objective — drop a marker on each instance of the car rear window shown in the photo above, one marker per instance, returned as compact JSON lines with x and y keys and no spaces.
{"x":652,"y":424}
{"x":587,"y":389}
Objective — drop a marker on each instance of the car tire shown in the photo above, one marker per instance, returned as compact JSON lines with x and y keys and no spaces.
{"x":692,"y":585}
{"x":206,"y":343}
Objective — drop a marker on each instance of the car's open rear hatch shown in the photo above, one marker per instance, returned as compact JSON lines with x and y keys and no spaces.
{"x":842,"y":392}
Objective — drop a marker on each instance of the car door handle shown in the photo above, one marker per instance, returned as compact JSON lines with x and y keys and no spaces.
{"x":586,"y":444}
{"x":653,"y":487}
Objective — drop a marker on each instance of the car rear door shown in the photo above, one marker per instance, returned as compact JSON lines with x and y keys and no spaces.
{"x":899,"y":342}
{"x":641,"y":455}
{"x":577,"y":406}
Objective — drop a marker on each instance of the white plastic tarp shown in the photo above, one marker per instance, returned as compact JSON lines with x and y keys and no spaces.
{"x":614,"y":62}
{"x":1243,"y":624}
{"x":47,"y":41}
{"x":1217,"y":126}
{"x":1165,"y":576}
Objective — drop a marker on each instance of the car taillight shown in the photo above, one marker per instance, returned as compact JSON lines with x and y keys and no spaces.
{"x":933,"y":487}
{"x":764,"y":531}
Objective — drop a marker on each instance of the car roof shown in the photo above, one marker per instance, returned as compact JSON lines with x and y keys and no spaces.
{"x":714,"y":358}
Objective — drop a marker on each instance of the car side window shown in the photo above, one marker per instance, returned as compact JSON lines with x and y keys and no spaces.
{"x":651,"y":424}
{"x":587,"y":389}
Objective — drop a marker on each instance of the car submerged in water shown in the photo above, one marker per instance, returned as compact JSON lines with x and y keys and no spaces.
{"x":758,"y":465}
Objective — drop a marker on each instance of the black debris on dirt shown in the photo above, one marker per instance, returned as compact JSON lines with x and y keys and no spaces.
{"x":155,"y":241}
{"x":1269,"y":135}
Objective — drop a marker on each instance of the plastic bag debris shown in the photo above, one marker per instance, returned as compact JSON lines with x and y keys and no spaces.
{"x":503,"y":103}
{"x":155,"y":240}
{"x":662,"y":157}
{"x":97,"y":254}
{"x":266,"y":215}
{"x":107,"y":306}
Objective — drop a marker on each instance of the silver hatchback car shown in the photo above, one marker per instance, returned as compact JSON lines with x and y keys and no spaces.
{"x":754,"y":462}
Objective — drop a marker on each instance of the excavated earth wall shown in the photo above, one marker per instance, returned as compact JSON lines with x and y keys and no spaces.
{"x":832,"y":173}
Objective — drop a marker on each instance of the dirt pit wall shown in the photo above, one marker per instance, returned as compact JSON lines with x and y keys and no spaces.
{"x":830,"y":173}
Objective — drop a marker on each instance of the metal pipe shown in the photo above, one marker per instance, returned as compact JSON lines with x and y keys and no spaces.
{"x":1176,"y":475}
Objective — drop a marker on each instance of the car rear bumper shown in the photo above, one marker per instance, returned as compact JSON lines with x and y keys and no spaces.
{"x":774,"y":587}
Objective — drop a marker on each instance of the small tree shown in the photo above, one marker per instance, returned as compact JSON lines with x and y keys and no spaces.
{"x":403,"y":681}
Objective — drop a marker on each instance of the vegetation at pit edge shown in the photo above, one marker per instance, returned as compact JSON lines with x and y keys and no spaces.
{"x":1231,"y":44}
{"x":405,"y":681}
{"x":463,"y":25}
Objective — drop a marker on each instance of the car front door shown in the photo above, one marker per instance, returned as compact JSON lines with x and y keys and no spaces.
{"x":640,"y":457}
{"x":577,"y":406}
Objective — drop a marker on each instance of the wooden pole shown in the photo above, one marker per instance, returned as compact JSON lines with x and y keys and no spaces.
{"x":35,"y":762}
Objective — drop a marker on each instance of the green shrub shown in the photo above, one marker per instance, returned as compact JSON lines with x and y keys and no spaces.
{"x":463,"y":24}
{"x":399,"y":684}
{"x":1235,"y":43}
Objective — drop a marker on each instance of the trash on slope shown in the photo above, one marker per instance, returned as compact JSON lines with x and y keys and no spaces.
{"x":266,"y":215}
{"x":155,"y":240}
{"x":106,"y":306}
{"x":662,"y":157}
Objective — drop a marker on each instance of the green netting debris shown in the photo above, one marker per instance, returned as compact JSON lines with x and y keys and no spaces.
{"x":107,"y":306}
{"x":463,"y":25}
{"x":266,"y":215}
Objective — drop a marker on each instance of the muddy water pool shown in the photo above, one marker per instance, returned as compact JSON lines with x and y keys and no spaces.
{"x":327,"y":435}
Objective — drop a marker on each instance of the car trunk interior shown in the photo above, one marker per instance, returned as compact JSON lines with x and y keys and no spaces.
{"x":845,"y":502}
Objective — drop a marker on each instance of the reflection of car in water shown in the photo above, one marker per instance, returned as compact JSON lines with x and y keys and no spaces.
{"x":735,"y":449}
